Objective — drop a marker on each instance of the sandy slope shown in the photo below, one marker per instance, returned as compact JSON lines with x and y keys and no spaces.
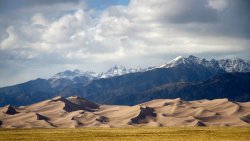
{"x":76,"y":112}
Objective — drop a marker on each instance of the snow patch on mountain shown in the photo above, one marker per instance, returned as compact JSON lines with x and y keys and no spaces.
{"x":235,"y":65}
{"x":119,"y":70}
{"x":116,"y":70}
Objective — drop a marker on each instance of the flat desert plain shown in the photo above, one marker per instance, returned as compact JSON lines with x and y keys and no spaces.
{"x":129,"y":134}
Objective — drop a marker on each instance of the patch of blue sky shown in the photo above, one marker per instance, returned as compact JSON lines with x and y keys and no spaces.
{"x":102,"y":4}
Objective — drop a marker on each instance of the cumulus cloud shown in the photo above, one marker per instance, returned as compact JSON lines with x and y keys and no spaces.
{"x":66,"y":26}
{"x":144,"y":32}
{"x":11,"y":40}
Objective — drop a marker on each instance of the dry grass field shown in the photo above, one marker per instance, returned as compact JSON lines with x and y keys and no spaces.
{"x":129,"y":134}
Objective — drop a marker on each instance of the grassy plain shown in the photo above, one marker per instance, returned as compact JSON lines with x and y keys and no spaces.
{"x":129,"y":134}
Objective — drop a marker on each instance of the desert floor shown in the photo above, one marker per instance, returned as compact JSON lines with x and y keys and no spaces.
{"x":129,"y":134}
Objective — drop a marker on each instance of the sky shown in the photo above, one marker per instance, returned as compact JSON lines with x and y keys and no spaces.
{"x":40,"y":38}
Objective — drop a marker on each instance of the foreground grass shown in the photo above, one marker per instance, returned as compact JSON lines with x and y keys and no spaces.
{"x":129,"y":134}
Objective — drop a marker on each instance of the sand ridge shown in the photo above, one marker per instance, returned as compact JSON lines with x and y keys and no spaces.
{"x":76,"y":112}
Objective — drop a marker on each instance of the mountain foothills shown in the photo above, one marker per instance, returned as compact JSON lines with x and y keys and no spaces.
{"x":74,"y":112}
{"x":189,"y":78}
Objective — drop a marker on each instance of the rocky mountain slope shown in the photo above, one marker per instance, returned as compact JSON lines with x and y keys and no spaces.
{"x":234,"y":86}
{"x":142,"y":87}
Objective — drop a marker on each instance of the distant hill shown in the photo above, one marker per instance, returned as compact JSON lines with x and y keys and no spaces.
{"x":27,"y":93}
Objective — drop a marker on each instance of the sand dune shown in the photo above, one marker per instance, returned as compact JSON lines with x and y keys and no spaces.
{"x":75,"y":112}
{"x":10,"y":110}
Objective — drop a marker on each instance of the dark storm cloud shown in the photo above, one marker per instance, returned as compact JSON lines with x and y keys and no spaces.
{"x":235,"y":19}
{"x":195,"y":11}
{"x":231,"y":21}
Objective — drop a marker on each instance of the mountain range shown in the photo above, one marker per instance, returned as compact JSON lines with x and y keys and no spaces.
{"x":227,"y":65}
{"x":190,"y":78}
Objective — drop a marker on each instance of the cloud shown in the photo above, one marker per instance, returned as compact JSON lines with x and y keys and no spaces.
{"x":177,"y":11}
{"x":11,"y":40}
{"x":38,"y":19}
{"x":218,"y":4}
{"x":144,"y":33}
{"x":66,"y":26}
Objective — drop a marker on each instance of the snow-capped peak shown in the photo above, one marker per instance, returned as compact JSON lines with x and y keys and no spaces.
{"x":235,"y":65}
{"x":117,"y":70}
{"x":133,"y":70}
{"x":228,"y":65}
{"x":178,"y":60}
{"x":68,"y":74}
{"x":190,"y":60}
